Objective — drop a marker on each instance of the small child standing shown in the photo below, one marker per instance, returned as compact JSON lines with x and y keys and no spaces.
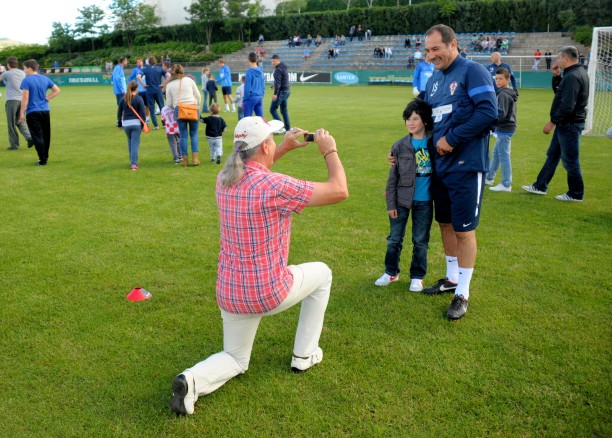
{"x":172,"y":133}
{"x":408,"y":188}
{"x":238,"y":98}
{"x":211,"y":87}
{"x":205,"y":73}
{"x":215,"y":126}
{"x":504,"y":130}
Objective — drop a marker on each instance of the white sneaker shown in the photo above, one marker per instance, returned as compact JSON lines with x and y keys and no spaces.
{"x":183,"y":394}
{"x":566,"y":197}
{"x":386,"y":280}
{"x":532,"y":189}
{"x":489,"y":182}
{"x":301,"y":365}
{"x":500,"y":188}
{"x":416,"y":285}
{"x":281,"y":131}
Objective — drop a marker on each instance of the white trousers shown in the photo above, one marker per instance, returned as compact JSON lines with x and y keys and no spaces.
{"x":311,"y":286}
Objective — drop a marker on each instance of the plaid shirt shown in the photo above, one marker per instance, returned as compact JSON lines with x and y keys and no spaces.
{"x":255,"y":216}
{"x":171,"y":125}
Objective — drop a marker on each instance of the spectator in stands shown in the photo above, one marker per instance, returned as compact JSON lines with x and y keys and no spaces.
{"x":260,"y":40}
{"x":496,"y":63}
{"x":337,"y":40}
{"x":330,"y":53}
{"x":537,"y":58}
{"x":342,"y":40}
{"x":462,"y":52}
{"x":308,"y":41}
{"x":388,"y":52}
{"x":318,"y":40}
{"x":505,"y":46}
{"x":567,"y":117}
{"x":548,"y":58}
{"x":498,"y":43}
{"x":368,"y":34}
{"x":417,"y":42}
{"x":417,"y":56}
{"x":306,"y":54}
{"x":359,"y":33}
{"x":407,"y":43}
{"x":351,"y":33}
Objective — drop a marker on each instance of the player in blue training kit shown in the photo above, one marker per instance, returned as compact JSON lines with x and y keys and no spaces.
{"x":462,"y":97}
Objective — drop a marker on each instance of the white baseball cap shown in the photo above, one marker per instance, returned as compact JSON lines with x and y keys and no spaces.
{"x":254,"y":130}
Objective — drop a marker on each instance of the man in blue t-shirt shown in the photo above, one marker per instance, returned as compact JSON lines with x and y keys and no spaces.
{"x":118,"y":80}
{"x":154,"y":76}
{"x":225,"y":79}
{"x":464,"y":107}
{"x":35,"y":108}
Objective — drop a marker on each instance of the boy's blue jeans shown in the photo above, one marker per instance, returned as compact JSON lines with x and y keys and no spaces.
{"x":501,"y":156}
{"x":422,"y":216}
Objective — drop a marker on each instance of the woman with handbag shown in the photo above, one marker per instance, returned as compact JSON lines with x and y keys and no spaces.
{"x":183,"y":95}
{"x":131,"y":114}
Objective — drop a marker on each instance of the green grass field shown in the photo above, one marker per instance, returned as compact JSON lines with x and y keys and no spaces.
{"x":531,"y":358}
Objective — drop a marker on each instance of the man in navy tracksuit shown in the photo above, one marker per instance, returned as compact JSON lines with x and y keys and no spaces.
{"x":461,"y":94}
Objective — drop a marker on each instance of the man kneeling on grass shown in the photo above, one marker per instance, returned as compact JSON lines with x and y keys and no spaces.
{"x":255,"y":210}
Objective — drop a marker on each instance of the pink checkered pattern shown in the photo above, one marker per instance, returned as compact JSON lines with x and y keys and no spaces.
{"x":255,"y":216}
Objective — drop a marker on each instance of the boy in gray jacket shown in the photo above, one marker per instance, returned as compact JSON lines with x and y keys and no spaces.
{"x":504,"y":130}
{"x":408,"y":189}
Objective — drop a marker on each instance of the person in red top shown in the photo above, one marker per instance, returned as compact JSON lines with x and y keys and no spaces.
{"x":254,"y":278}
{"x":536,"y":62}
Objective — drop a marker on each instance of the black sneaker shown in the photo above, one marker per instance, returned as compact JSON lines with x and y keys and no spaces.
{"x":458,"y":307}
{"x":443,"y":285}
{"x":30,"y":143}
{"x":218,"y":159}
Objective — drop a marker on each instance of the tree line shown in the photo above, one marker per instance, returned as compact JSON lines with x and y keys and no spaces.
{"x":135,"y":24}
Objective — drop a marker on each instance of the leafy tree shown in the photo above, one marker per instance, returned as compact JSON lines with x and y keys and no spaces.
{"x":567,"y":19}
{"x":347,"y":3}
{"x":61,"y":39}
{"x":291,"y":7}
{"x":132,"y":15}
{"x":88,"y":23}
{"x":446,"y":9}
{"x":204,"y":14}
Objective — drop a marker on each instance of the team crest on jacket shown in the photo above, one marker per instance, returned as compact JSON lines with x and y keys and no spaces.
{"x":434,"y":88}
{"x":453,"y":87}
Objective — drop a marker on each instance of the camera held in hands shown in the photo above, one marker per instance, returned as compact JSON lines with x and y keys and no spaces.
{"x":308,"y":137}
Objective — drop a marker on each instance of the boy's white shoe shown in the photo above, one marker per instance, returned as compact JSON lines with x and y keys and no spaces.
{"x":416,"y":285}
{"x":489,"y":182}
{"x":386,"y":280}
{"x":500,"y":188}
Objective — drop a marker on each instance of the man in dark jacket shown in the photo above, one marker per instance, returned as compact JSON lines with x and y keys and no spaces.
{"x":567,"y":116}
{"x":281,"y":93}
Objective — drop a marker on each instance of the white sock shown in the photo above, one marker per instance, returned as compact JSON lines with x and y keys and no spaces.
{"x":234,"y":106}
{"x":465,"y":277}
{"x":452,"y":269}
{"x":226,"y":107}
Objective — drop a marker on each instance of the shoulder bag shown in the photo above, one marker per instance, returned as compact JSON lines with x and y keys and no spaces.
{"x":186,"y":111}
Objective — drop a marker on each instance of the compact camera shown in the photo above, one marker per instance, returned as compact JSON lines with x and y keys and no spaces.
{"x":308,"y":137}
